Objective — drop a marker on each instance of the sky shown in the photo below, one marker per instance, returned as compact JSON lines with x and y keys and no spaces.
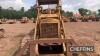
{"x":67,"y":5}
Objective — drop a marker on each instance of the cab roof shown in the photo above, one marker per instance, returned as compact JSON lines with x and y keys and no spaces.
{"x":44,"y":2}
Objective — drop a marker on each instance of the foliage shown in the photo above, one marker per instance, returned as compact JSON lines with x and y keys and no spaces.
{"x":84,"y":12}
{"x":10,"y":13}
{"x":67,"y":14}
{"x":98,"y":12}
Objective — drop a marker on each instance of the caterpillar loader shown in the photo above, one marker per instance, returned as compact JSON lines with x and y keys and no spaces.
{"x":49,"y":37}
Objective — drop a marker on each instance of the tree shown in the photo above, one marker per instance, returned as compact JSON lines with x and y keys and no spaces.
{"x":0,"y":8}
{"x":69,"y":14}
{"x":22,"y":9}
{"x":0,"y":12}
{"x":98,"y":12}
{"x":10,"y":8}
{"x":10,"y":13}
{"x":84,"y":12}
{"x":63,"y":13}
{"x":31,"y":13}
{"x":21,"y":13}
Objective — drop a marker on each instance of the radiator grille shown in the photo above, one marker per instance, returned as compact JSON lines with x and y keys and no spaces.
{"x":49,"y":30}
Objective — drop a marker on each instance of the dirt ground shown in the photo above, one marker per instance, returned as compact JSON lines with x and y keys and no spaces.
{"x":84,"y":34}
{"x":13,"y":35}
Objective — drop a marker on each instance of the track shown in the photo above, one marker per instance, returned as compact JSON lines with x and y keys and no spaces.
{"x":71,"y":42}
{"x":52,"y":55}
